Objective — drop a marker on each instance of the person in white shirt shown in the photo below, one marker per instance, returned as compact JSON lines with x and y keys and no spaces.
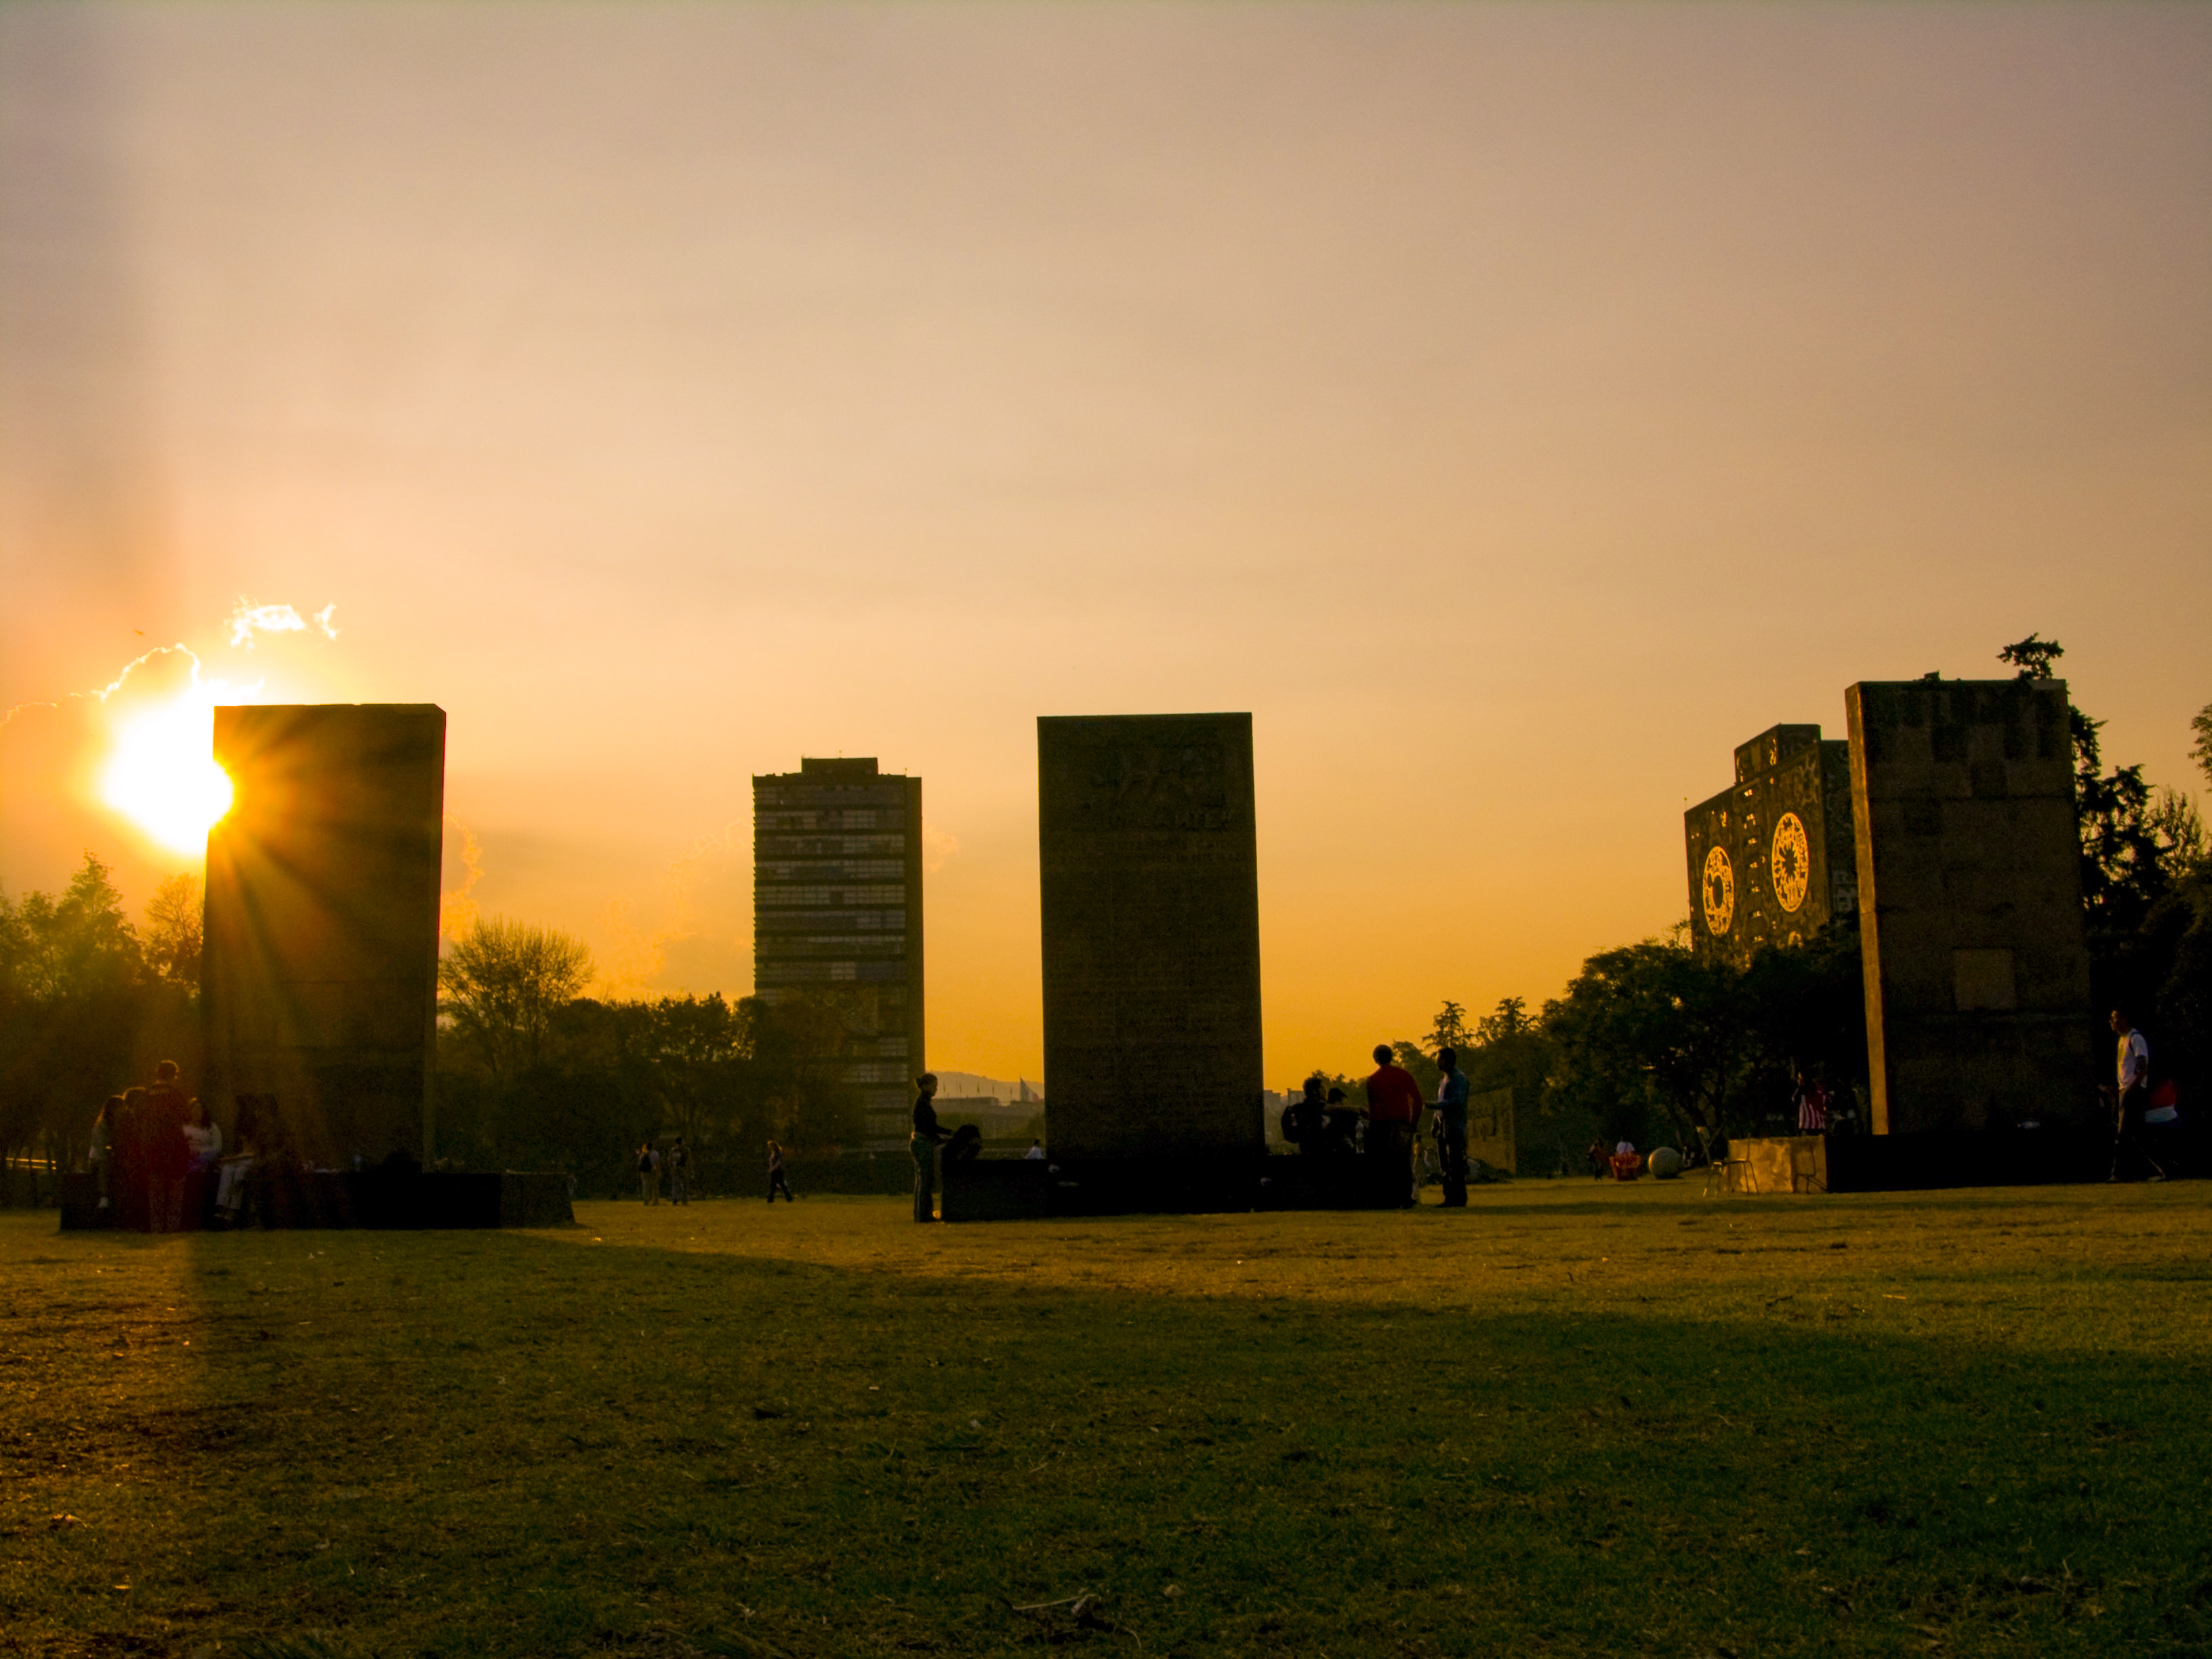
{"x":1035,"y":1153}
{"x":2133,"y":1094}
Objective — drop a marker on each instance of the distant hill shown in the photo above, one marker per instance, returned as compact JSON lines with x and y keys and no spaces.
{"x":970,"y":1085}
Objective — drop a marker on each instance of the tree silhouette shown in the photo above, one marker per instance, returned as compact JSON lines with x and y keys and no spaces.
{"x":503,"y":981}
{"x":174,"y":923}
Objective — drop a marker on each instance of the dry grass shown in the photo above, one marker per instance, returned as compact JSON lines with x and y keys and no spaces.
{"x":1572,"y":1420}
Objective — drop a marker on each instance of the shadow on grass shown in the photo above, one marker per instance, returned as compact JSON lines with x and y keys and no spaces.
{"x":510,"y":1444}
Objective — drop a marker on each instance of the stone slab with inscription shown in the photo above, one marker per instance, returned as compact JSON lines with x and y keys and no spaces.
{"x":319,"y":977}
{"x":1977,"y":969}
{"x":1150,"y":919}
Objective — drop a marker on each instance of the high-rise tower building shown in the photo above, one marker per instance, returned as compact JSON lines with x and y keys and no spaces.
{"x":837,"y":916}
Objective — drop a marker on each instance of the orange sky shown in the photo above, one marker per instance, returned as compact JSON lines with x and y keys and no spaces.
{"x":1514,"y":407}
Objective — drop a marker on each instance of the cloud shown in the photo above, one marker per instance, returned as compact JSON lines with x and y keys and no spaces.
{"x":248,"y":619}
{"x":463,"y":862}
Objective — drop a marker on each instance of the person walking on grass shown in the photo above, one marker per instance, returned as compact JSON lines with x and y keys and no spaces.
{"x":648,"y":1174}
{"x":2133,"y":1096}
{"x":923,"y":1143}
{"x":776,"y":1183}
{"x":1451,"y":1127}
{"x":1394,"y":1109}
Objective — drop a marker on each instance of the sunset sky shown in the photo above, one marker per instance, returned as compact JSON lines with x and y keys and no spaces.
{"x":1514,"y":407}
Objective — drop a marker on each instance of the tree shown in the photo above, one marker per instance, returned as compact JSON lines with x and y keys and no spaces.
{"x":76,"y":944}
{"x":2033,"y":656}
{"x":1503,"y":1023}
{"x":173,"y":921}
{"x":2146,"y":889}
{"x":1450,"y":1028}
{"x":503,"y":981}
{"x":1804,"y":1009}
{"x":76,"y":1005}
{"x":2137,"y":844}
{"x":799,"y":1045}
{"x":2132,"y":837}
{"x":1651,"y":1028}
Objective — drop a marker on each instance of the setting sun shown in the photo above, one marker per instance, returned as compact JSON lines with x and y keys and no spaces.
{"x":161,"y":772}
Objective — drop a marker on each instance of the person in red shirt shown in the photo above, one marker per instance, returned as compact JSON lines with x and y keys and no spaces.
{"x":1393,"y":1108}
{"x":168,"y":1155}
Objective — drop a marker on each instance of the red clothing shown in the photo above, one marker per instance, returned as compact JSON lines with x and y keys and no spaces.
{"x":168,"y":1156}
{"x":1393,"y":1096}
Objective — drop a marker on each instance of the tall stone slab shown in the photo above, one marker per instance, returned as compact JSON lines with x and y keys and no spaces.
{"x":1150,"y":911}
{"x":1772,"y":858}
{"x":319,"y":983}
{"x":1970,"y":904}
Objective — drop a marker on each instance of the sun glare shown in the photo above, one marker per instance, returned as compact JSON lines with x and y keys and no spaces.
{"x":162,"y":775}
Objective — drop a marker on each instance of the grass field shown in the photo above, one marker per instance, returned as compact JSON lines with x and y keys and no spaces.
{"x":1572,"y":1419}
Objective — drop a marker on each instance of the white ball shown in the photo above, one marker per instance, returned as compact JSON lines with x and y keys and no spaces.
{"x":1665,"y":1163}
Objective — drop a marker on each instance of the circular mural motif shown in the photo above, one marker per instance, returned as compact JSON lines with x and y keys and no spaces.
{"x":1720,"y":891}
{"x":1792,"y":861}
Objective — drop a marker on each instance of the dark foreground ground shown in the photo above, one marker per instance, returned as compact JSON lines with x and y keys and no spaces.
{"x":1572,"y":1420}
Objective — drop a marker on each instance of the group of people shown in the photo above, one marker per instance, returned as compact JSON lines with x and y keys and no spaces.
{"x":676,"y":1163}
{"x":1320,"y":1124}
{"x":1388,"y":1129}
{"x":160,"y":1162}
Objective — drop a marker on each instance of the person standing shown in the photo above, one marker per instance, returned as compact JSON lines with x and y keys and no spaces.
{"x":648,"y":1174}
{"x":235,"y":1180}
{"x":101,"y":1154}
{"x":923,"y":1143}
{"x":169,"y":1154}
{"x":1451,"y":1127}
{"x":203,"y":1139}
{"x":1393,"y":1110}
{"x":2133,"y":1094}
{"x":679,"y":1172}
{"x":127,"y":1152}
{"x":1305,"y":1120}
{"x":776,"y":1183}
{"x":1811,"y":1107}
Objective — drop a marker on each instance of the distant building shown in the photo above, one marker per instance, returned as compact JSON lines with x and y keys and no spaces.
{"x":837,"y":916}
{"x":995,"y":1117}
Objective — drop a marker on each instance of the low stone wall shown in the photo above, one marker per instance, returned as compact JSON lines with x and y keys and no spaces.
{"x":1778,"y":1164}
{"x":2056,"y":1156}
{"x":995,"y":1189}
